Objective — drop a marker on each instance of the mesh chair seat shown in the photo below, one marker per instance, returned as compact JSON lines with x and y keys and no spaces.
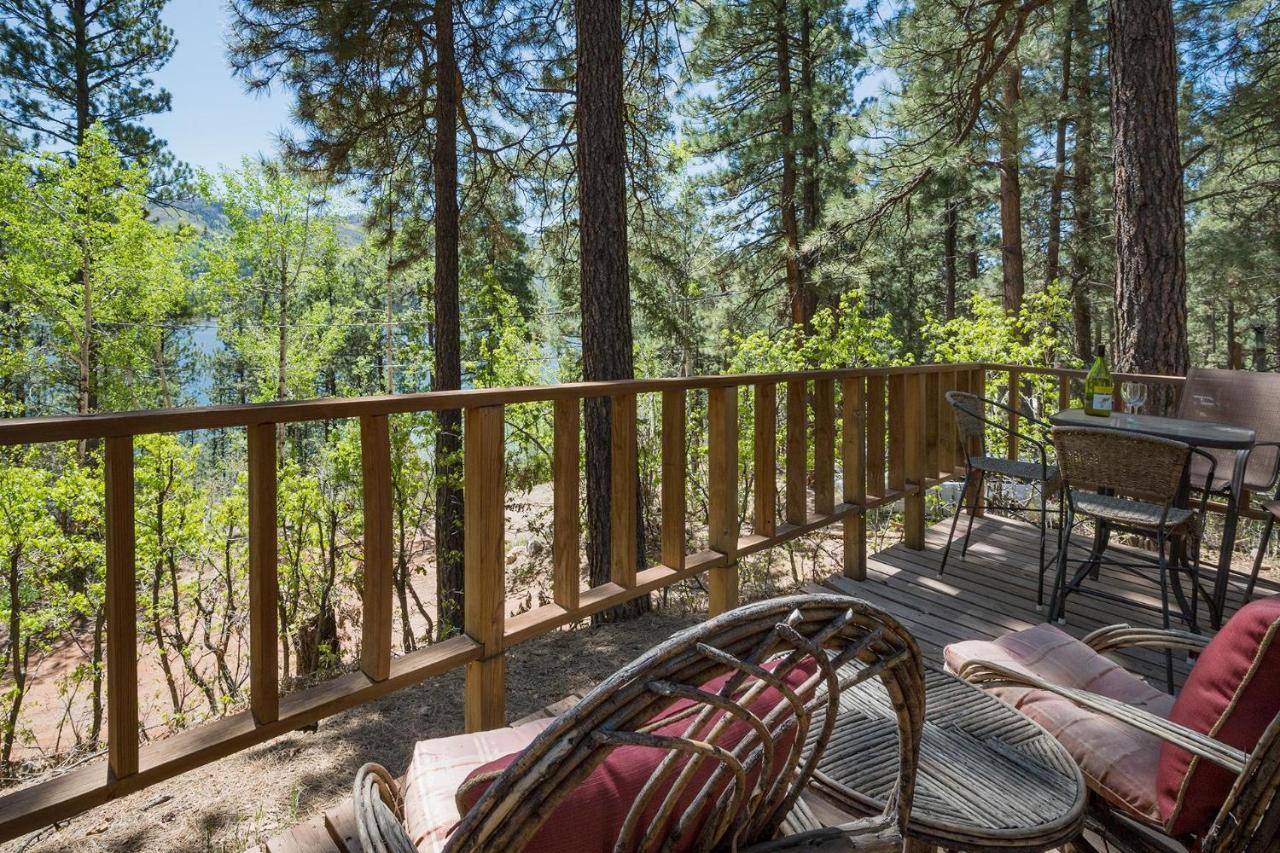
{"x":1016,"y":469}
{"x":1128,"y":512}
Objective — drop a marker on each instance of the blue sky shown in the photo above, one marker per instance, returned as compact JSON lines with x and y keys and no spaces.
{"x":214,"y":121}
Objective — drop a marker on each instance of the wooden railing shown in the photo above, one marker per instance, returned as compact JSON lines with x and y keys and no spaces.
{"x":896,"y":440}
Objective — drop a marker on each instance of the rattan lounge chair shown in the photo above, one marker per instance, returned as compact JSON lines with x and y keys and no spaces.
{"x":727,"y":771}
{"x":972,"y":422}
{"x":1197,"y":772}
{"x":1130,"y":483}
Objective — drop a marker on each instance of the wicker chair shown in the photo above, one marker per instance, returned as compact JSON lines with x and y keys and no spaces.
{"x":972,"y":422}
{"x":1248,"y":820}
{"x":827,"y":633}
{"x":1129,"y":482}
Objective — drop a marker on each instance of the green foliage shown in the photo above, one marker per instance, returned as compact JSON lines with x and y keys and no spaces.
{"x":990,"y":334}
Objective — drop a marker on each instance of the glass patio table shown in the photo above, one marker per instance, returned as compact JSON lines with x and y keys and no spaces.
{"x":1202,"y":434}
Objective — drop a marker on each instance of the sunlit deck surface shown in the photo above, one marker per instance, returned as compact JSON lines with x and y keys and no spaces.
{"x":988,"y":594}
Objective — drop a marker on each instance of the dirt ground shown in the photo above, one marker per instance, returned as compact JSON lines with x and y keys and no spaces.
{"x":249,"y":797}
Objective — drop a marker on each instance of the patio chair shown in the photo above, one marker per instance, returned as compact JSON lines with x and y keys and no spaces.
{"x":1197,"y":772}
{"x":698,"y":744}
{"x":1242,"y":398}
{"x":1130,"y":483}
{"x":971,"y":422}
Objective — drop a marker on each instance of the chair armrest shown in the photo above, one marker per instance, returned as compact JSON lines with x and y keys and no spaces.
{"x":878,"y":834}
{"x":1114,"y":637}
{"x":988,"y":674}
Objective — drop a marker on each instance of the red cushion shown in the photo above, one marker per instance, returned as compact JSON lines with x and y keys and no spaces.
{"x":608,"y":793}
{"x":1232,"y":694}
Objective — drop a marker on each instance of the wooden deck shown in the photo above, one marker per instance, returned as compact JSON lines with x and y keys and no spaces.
{"x":986,"y":595}
{"x":993,"y":591}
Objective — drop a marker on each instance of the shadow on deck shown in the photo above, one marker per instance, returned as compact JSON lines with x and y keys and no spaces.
{"x":993,"y":592}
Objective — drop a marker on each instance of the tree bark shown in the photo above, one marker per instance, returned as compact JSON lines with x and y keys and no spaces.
{"x":1083,"y":227}
{"x":950,"y":232}
{"x":1057,"y":186}
{"x":1151,"y":273}
{"x":606,"y":303}
{"x":810,"y":196}
{"x":447,"y":375}
{"x":1011,"y":189}
{"x":797,"y":297}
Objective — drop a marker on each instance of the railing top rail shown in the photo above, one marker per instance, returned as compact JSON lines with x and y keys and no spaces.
{"x":1079,"y":371}
{"x":44,"y":430}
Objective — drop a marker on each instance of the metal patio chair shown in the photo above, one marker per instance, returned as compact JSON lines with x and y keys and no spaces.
{"x":1129,"y":483}
{"x":971,"y":422}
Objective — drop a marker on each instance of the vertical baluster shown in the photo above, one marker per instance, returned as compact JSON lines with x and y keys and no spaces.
{"x":875,"y":435}
{"x":765,"y":459}
{"x":722,"y":489}
{"x":853,"y":461}
{"x":566,"y":536}
{"x":946,"y":426}
{"x":483,"y":560}
{"x":1015,"y":406}
{"x":824,"y":446}
{"x":897,"y":431}
{"x":122,"y":610}
{"x":979,"y":383}
{"x":1064,"y":390}
{"x":964,"y":382}
{"x":674,"y":461}
{"x":913,"y":459}
{"x":622,"y":498}
{"x":796,"y":510}
{"x":932,"y":393}
{"x":375,"y":465}
{"x":264,"y":647}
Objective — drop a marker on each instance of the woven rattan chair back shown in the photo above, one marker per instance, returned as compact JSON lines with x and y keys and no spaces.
{"x":753,"y":781}
{"x":970,"y":414}
{"x":1241,"y":398}
{"x":1128,"y":464}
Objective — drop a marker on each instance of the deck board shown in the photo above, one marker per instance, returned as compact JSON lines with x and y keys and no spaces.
{"x":992,"y":592}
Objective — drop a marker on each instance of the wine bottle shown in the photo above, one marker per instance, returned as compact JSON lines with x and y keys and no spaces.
{"x":1098,"y":387}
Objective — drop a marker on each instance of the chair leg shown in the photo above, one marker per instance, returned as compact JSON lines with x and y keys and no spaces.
{"x":955,"y":517}
{"x":1164,"y":605}
{"x":1040,"y":576}
{"x":1257,"y":561}
{"x":1058,"y":600}
{"x":978,"y":483}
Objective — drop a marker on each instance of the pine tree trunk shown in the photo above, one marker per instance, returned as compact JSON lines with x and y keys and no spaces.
{"x":606,"y":303}
{"x":1083,"y":227}
{"x":811,"y":197}
{"x":950,"y":232}
{"x":1151,"y":272}
{"x":80,"y":30}
{"x":1011,"y":190}
{"x":1054,"y":243}
{"x":801,"y":310}
{"x":447,"y":375}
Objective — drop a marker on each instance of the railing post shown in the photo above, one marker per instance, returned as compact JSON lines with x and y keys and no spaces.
{"x":875,"y":435}
{"x":122,"y":611}
{"x":914,"y":459}
{"x":622,"y":493}
{"x":824,"y":446}
{"x":483,"y":560}
{"x":765,"y":460}
{"x":375,"y":466}
{"x":932,"y":393}
{"x":979,"y":500}
{"x":796,"y":510}
{"x":674,"y":460}
{"x":853,"y":462}
{"x":264,"y":632}
{"x":566,"y":527}
{"x":722,"y":488}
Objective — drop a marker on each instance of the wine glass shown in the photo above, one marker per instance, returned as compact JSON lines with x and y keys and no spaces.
{"x":1135,"y":394}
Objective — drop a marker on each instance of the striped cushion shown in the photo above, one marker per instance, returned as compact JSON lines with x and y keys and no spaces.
{"x":437,"y":769}
{"x":1118,"y":761}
